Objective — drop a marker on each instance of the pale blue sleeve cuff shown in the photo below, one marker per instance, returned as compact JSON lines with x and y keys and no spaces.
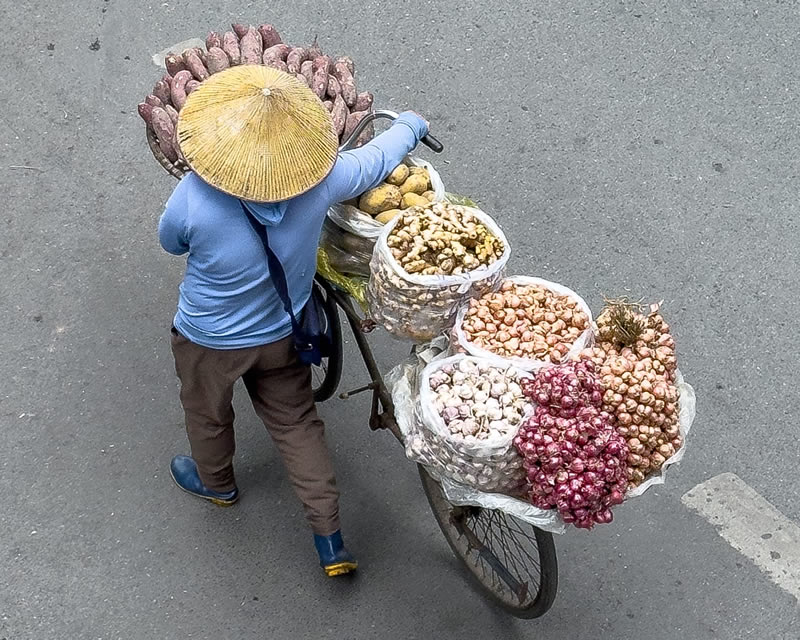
{"x":414,"y":122}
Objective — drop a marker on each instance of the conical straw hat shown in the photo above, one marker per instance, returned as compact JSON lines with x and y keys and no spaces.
{"x":257,"y":133}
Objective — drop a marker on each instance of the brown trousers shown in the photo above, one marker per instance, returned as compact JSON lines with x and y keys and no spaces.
{"x":279,"y":386}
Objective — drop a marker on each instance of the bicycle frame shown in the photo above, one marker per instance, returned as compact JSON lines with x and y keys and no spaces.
{"x":382,"y":412}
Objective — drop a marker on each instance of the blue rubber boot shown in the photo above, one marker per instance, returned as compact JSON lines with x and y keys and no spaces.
{"x":184,"y":472}
{"x":333,"y":557}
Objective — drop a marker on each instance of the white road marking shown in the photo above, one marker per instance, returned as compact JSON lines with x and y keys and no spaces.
{"x":752,"y":526}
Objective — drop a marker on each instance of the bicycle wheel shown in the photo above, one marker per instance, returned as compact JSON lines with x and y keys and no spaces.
{"x":325,"y":377}
{"x":512,"y":562}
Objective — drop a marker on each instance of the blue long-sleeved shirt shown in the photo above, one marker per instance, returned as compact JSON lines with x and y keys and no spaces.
{"x":226,"y":299}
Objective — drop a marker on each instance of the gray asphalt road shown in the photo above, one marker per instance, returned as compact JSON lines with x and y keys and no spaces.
{"x":648,"y":148}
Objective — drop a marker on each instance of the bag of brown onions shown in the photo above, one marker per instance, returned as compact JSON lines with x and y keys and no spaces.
{"x":644,"y":393}
{"x":528,"y":321}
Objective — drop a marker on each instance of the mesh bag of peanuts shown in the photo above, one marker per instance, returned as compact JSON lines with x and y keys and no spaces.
{"x":427,"y":262}
{"x":349,"y":234}
{"x":530,"y":322}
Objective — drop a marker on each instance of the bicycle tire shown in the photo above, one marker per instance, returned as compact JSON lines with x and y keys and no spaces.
{"x":325,"y":378}
{"x":522,"y":603}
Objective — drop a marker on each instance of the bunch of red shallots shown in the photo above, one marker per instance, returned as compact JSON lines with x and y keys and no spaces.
{"x":574,"y":459}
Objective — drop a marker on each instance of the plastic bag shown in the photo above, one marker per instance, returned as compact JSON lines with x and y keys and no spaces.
{"x":462,"y":345}
{"x":421,"y":447}
{"x":490,"y":465}
{"x":356,"y":287}
{"x":498,"y":446}
{"x":417,"y":307}
{"x":347,"y":252}
{"x":403,"y":382}
{"x":687,"y":406}
{"x":488,"y":468}
{"x":349,"y":234}
{"x":178,"y":47}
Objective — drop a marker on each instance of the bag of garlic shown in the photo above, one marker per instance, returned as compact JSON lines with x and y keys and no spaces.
{"x":470,"y":410}
{"x":427,"y":262}
{"x":529,"y":322}
{"x":349,"y":234}
{"x":441,"y":462}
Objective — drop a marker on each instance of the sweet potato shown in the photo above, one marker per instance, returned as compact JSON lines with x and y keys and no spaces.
{"x":339,"y":113}
{"x":213,"y":39}
{"x":328,"y":104}
{"x":173,"y":115}
{"x":174,"y":63}
{"x":217,"y":60}
{"x":191,"y":86}
{"x":352,"y":122}
{"x":346,"y":82}
{"x":363,"y":102}
{"x":154,"y":101}
{"x":146,"y":111}
{"x":314,"y":50}
{"x":178,"y":90}
{"x":195,"y":65}
{"x":366,"y":135}
{"x":307,"y":69}
{"x":230,"y":45}
{"x":276,"y":53}
{"x":167,"y":78}
{"x":269,"y":36}
{"x":250,"y":46}
{"x":161,"y":91}
{"x":165,"y":131}
{"x":240,"y":29}
{"x":334,"y":90}
{"x":323,"y":62}
{"x":347,"y":61}
{"x":319,"y":83}
{"x":280,"y":65}
{"x":295,"y":58}
{"x":259,"y":39}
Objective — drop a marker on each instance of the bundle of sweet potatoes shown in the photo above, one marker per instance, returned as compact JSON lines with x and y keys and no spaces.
{"x":331,"y":80}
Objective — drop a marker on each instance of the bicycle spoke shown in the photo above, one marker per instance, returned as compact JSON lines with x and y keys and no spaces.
{"x":513,"y":547}
{"x":502,"y":553}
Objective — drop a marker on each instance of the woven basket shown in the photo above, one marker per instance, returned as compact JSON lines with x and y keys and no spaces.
{"x":177,"y":170}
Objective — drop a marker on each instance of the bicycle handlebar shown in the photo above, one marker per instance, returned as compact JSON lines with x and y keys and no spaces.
{"x":429,"y":141}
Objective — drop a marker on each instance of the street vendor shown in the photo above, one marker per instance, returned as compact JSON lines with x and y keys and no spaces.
{"x":258,"y":137}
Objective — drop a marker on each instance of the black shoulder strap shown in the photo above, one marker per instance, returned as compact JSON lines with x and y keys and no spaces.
{"x":275,"y":268}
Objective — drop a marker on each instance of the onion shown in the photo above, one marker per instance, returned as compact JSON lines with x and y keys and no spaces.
{"x":573,"y":457}
{"x":641,"y":394}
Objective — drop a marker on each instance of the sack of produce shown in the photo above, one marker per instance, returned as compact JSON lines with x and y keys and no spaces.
{"x":355,"y":286}
{"x":497,"y":472}
{"x":529,"y":321}
{"x":470,"y":412}
{"x":575,"y":461}
{"x":650,"y":404}
{"x":608,"y":423}
{"x":351,"y":229}
{"x":427,"y":262}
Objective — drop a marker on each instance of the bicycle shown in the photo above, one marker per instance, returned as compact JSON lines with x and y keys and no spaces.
{"x":512,"y":562}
